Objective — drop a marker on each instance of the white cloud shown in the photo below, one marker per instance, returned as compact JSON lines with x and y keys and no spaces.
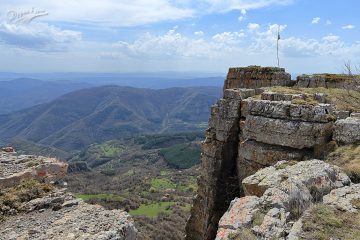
{"x":241,"y":18}
{"x":132,"y":12}
{"x":328,"y":22}
{"x":39,"y":36}
{"x":199,"y":33}
{"x":315,"y":20}
{"x":241,"y":5}
{"x":229,"y":37}
{"x":102,"y":12}
{"x":253,"y":26}
{"x":348,"y":27}
{"x":174,"y":45}
{"x":331,"y":38}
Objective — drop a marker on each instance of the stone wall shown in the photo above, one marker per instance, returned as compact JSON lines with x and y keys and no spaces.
{"x":328,"y":81}
{"x":254,"y":77}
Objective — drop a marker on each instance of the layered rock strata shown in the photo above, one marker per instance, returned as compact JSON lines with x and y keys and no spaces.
{"x":251,"y":128}
{"x":257,"y":77}
{"x":328,"y":81}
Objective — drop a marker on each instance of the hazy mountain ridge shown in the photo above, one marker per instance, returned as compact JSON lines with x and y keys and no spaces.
{"x":22,"y":93}
{"x":77,"y":119}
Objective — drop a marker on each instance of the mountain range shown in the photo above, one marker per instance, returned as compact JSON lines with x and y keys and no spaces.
{"x":22,"y":93}
{"x":77,"y":119}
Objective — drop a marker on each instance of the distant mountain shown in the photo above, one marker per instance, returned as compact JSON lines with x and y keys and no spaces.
{"x":80,"y":118}
{"x":26,"y":92}
{"x":154,"y":80}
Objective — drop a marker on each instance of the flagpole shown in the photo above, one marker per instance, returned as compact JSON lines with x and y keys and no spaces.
{"x":277,"y":46}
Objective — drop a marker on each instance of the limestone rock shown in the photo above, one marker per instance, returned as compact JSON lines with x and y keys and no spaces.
{"x":239,"y":214}
{"x":253,"y":156}
{"x":15,"y":168}
{"x":256,"y":77}
{"x":326,"y":81}
{"x":342,"y":198}
{"x":285,"y":110}
{"x":294,"y":134}
{"x":313,"y":174}
{"x":82,"y":221}
{"x":347,"y":130}
{"x":279,"y":193}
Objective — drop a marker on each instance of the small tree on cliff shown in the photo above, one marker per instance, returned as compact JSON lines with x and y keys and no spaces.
{"x":353,"y":71}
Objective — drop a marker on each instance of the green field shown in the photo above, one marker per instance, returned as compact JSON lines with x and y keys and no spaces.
{"x":109,"y":197}
{"x":182,"y":155}
{"x":152,"y":210}
{"x":162,"y":183}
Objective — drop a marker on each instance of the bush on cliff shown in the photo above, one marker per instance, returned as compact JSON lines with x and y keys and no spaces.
{"x":11,"y":198}
{"x":348,"y":158}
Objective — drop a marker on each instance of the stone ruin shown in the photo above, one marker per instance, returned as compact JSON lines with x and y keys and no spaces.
{"x":254,"y":77}
{"x":328,"y":81}
{"x":247,"y":134}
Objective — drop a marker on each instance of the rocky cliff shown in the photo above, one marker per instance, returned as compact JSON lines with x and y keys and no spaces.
{"x":260,"y":155}
{"x":34,"y":204}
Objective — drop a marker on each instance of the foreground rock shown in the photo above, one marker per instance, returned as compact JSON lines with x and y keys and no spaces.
{"x":75,"y":220}
{"x":336,"y":218}
{"x":34,"y":206}
{"x":277,"y":195}
{"x":17,"y":168}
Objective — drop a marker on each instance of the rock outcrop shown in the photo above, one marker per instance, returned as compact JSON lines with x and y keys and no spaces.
{"x":328,"y":81}
{"x":278,"y":194}
{"x":17,"y":168}
{"x":253,"y":128}
{"x":35,"y":205}
{"x":257,"y":77}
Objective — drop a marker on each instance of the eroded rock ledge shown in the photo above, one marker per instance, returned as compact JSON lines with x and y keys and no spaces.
{"x":34,"y":204}
{"x":253,"y":128}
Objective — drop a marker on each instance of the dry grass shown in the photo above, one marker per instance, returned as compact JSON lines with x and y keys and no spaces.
{"x":243,"y":234}
{"x":343,"y":99}
{"x":306,"y":101}
{"x":11,"y":198}
{"x":323,"y":222}
{"x":348,"y":158}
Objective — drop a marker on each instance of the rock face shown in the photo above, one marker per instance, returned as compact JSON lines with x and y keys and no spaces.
{"x":218,"y":183}
{"x":14,"y":169}
{"x":286,"y":133}
{"x":327,"y":81}
{"x":279,"y":193}
{"x":76,"y":220}
{"x":53,"y":214}
{"x":252,"y":128}
{"x":347,"y":130}
{"x":257,"y":77}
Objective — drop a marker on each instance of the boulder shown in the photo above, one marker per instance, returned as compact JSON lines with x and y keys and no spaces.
{"x":277,"y":195}
{"x":347,"y":131}
{"x":313,"y":174}
{"x":343,"y":198}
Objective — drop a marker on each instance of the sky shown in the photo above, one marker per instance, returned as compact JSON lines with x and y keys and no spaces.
{"x":177,"y":35}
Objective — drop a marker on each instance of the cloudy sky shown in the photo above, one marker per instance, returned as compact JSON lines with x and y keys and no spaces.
{"x":177,"y":35}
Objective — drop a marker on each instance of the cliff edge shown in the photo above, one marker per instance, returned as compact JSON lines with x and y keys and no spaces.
{"x":34,"y":204}
{"x":265,"y":126}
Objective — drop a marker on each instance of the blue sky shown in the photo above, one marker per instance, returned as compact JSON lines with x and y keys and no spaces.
{"x":174,"y":35}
